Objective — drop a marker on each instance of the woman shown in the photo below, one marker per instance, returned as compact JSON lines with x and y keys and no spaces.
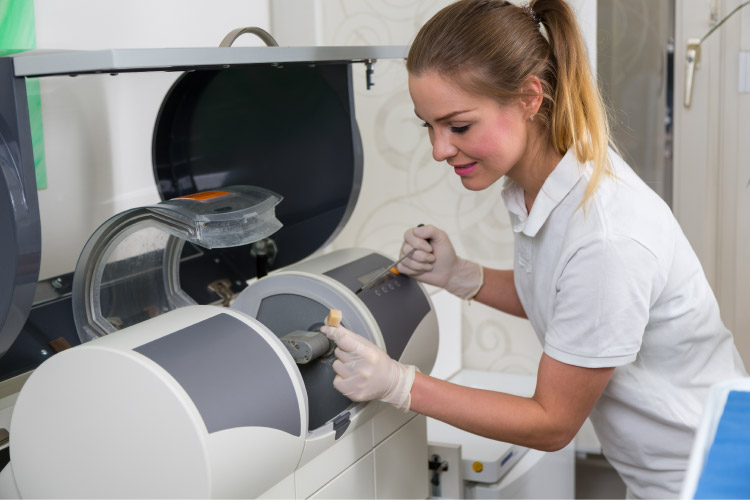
{"x":630,"y":327}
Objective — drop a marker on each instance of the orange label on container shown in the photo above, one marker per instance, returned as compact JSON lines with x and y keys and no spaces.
{"x":204,"y":196}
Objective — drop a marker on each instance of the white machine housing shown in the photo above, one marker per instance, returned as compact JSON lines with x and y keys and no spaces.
{"x":164,"y":393}
{"x":207,"y":402}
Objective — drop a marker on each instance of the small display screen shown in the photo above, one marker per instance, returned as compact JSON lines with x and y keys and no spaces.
{"x":365,"y":278}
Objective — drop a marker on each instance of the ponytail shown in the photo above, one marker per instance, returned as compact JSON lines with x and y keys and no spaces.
{"x":579,"y":117}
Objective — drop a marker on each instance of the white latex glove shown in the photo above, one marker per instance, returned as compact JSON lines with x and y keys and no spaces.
{"x":365,"y":372}
{"x":435,"y":262}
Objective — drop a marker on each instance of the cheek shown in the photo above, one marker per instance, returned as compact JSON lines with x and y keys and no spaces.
{"x":501,"y":139}
{"x":489,"y":143}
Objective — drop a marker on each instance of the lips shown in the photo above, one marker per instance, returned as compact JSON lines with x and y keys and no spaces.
{"x":464,"y":169}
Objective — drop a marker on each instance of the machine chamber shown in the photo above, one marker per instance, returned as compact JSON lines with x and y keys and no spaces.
{"x":198,"y":369}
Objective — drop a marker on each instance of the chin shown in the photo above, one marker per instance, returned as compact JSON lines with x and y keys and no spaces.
{"x":475,"y":184}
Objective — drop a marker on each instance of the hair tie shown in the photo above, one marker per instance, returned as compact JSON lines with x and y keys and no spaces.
{"x":533,"y":15}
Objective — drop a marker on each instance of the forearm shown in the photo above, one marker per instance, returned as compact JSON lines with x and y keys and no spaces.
{"x":495,"y":415}
{"x":499,"y":292}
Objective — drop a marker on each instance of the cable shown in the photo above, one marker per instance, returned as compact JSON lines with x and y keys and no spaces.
{"x":740,"y":6}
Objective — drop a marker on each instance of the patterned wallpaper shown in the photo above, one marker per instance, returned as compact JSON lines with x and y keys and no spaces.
{"x":404,"y":186}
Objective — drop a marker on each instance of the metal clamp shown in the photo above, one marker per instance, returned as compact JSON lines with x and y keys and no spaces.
{"x":259,"y":32}
{"x":223,"y":288}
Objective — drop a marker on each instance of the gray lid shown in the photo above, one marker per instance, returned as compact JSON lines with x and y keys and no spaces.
{"x":289,"y":128}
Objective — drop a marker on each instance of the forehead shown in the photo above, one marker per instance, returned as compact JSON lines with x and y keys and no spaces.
{"x":435,"y":96}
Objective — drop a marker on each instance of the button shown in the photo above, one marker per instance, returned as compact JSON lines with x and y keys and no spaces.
{"x":477,"y":466}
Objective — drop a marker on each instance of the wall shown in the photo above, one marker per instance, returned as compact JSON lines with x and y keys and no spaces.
{"x":403,"y":185}
{"x":712,"y":156}
{"x":98,"y":128}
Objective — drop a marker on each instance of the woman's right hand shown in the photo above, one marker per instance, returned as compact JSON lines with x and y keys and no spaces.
{"x":435,"y":262}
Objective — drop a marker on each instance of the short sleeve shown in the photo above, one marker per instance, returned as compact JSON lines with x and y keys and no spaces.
{"x":601,"y":304}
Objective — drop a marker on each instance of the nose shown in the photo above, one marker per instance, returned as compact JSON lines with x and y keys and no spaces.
{"x":442,"y":147}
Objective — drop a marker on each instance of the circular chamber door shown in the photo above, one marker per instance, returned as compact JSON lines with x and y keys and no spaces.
{"x":287,"y":303}
{"x":129,"y":270}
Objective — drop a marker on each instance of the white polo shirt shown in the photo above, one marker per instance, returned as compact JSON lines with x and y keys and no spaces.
{"x":619,"y":285}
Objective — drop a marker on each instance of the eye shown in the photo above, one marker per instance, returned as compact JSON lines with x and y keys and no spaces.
{"x":459,"y":130}
{"x":425,"y":125}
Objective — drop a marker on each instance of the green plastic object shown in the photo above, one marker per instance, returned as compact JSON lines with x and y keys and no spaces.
{"x":18,"y":34}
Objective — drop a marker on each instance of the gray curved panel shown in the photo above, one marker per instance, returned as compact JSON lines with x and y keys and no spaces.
{"x":203,"y":139}
{"x":233,"y":376}
{"x":398,"y":305}
{"x":20,"y":251}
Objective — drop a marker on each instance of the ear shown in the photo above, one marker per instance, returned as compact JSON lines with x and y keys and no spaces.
{"x":532,"y":90}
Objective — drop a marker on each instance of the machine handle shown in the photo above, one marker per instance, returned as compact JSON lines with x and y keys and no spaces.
{"x":261,"y":33}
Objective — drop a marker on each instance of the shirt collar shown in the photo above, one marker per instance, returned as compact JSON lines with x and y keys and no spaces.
{"x":557,"y":185}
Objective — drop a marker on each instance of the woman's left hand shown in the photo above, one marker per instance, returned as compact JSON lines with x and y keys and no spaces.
{"x":365,"y":372}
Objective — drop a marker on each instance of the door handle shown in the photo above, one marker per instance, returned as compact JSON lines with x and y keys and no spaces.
{"x":693,"y":57}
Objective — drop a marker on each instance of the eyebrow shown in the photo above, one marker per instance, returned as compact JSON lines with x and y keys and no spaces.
{"x":446,"y":117}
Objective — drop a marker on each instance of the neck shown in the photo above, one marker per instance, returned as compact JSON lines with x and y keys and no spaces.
{"x":534,"y":168}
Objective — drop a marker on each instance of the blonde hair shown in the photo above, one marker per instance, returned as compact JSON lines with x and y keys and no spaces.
{"x":490,"y":48}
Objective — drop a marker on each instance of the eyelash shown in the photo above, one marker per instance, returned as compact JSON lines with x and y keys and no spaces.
{"x":455,"y":130}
